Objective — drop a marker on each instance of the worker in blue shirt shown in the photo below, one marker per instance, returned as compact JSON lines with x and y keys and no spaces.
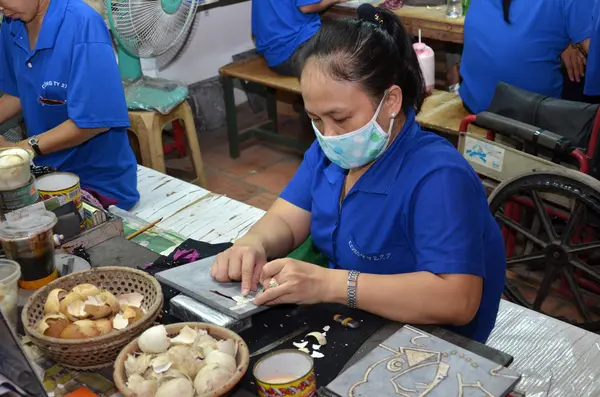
{"x":592,"y":81}
{"x":400,"y":214}
{"x":519,"y":42}
{"x":63,"y":75}
{"x":281,"y":27}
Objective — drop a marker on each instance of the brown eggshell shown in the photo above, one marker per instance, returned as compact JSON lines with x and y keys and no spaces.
{"x":86,"y":290}
{"x":98,"y":312}
{"x":67,"y":300}
{"x":111,"y":301}
{"x":56,"y":327}
{"x":72,"y":331}
{"x":52,"y":304}
{"x":104,"y":326}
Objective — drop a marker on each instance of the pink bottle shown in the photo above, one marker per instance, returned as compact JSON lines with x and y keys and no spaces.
{"x":426,"y":58}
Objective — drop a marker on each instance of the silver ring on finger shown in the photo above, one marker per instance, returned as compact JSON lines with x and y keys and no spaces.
{"x":273,"y":283}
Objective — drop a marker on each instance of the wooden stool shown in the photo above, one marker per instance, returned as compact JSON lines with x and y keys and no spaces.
{"x":148,"y":128}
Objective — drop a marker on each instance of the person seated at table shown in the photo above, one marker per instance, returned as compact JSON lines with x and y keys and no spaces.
{"x":395,"y":209}
{"x":520,"y":43}
{"x":282,"y":27}
{"x":64,"y":77}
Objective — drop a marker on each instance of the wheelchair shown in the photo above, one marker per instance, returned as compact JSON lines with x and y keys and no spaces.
{"x":540,"y":159}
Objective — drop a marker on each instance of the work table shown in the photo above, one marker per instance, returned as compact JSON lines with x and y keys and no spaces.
{"x":555,"y":358}
{"x":431,"y":21}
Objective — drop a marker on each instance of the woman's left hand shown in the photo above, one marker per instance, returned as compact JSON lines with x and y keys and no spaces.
{"x":292,"y":281}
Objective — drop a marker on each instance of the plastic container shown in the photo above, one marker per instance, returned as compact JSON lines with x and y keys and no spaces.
{"x":15,"y":169}
{"x":10,"y":273}
{"x":454,"y":9}
{"x":29,"y":241}
{"x":426,"y":58}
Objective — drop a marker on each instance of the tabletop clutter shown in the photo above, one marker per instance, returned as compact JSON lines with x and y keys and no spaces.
{"x":84,"y":316}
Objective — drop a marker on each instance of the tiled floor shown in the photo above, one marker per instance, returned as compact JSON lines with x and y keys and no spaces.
{"x":257,"y":176}
{"x":262,"y":171}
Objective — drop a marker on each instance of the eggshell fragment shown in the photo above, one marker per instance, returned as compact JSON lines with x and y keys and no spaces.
{"x":210,"y":378}
{"x":154,"y":340}
{"x":133,"y":299}
{"x":222,"y":360}
{"x":317,"y":355}
{"x":319,"y":337}
{"x":186,"y":336}
{"x":300,"y":345}
{"x":305,"y":350}
{"x":119,"y":322}
{"x":86,"y":290}
{"x":316,"y":347}
{"x":228,"y":346}
{"x":52,"y":304}
{"x":52,"y":325}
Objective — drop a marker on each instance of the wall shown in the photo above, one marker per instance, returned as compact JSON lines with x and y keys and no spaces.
{"x":218,"y":34}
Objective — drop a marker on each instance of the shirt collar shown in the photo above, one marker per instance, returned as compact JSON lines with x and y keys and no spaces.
{"x":53,"y":20}
{"x":382,"y":174}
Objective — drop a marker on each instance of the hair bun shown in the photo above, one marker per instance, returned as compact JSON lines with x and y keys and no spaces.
{"x":366,"y":12}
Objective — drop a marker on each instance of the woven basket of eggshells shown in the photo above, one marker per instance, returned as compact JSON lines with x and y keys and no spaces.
{"x":182,"y":360}
{"x":83,"y":320}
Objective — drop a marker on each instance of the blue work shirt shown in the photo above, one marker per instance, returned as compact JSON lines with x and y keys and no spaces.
{"x":592,"y":72}
{"x":419,"y":208}
{"x":72,"y":74}
{"x":525,"y":53}
{"x":279,"y":27}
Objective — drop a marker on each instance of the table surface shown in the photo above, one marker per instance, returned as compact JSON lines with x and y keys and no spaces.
{"x":431,"y":21}
{"x":556,"y":359}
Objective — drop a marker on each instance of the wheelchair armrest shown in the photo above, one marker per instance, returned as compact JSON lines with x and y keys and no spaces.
{"x":526,"y":132}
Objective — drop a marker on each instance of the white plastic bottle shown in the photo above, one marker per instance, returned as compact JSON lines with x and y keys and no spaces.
{"x":426,"y":58}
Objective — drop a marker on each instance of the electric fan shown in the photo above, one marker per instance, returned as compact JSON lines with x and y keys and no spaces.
{"x":147,"y":29}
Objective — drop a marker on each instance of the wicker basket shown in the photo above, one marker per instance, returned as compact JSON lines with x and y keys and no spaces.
{"x":219,"y":333}
{"x":101,"y":351}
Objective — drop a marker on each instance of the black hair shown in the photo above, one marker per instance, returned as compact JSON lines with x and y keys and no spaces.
{"x":373,"y":50}
{"x":506,"y":10}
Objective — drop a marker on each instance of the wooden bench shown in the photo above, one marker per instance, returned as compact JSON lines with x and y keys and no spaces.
{"x":443,"y":112}
{"x":255,"y":75}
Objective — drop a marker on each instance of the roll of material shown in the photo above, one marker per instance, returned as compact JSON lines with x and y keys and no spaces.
{"x":190,"y":310}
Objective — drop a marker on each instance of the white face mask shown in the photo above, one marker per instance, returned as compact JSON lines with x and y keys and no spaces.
{"x":357,"y":148}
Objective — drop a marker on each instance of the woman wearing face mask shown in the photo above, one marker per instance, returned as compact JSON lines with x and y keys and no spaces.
{"x":401,"y":216}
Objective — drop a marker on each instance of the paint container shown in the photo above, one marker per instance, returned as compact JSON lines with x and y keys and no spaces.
{"x":15,"y":169}
{"x":285,"y":373}
{"x":10,"y":273}
{"x":11,"y":200}
{"x":61,"y":184}
{"x":29,"y":241}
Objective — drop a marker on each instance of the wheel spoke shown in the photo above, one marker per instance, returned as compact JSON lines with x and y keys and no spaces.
{"x":545,"y":287}
{"x":581,"y":306}
{"x":528,"y":259}
{"x":517,"y":227}
{"x":573,"y":222}
{"x":586,"y":248}
{"x":543,"y":215}
{"x":588,"y":270}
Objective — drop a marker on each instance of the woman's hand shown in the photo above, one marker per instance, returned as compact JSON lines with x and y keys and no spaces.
{"x":292,"y":281}
{"x":574,"y":62}
{"x":241,"y":262}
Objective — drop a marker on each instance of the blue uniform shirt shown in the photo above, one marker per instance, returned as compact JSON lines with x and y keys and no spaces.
{"x":525,"y":53}
{"x":420,"y":207}
{"x":592,"y":73}
{"x":280,"y":27}
{"x":72,"y":74}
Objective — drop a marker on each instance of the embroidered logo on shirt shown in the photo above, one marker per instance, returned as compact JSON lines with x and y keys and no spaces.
{"x":54,"y":84}
{"x":375,"y":258}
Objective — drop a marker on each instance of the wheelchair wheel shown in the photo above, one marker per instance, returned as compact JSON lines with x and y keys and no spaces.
{"x":550,"y":222}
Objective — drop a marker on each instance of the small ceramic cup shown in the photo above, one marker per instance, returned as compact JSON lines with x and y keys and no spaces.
{"x":285,"y":373}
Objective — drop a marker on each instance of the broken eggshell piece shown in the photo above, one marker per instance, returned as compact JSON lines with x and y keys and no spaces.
{"x":319,"y":337}
{"x":186,"y":336}
{"x":133,"y":299}
{"x":154,"y":340}
{"x":300,"y":345}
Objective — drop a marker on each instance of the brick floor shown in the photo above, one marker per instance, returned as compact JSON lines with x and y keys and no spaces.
{"x":258,"y":175}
